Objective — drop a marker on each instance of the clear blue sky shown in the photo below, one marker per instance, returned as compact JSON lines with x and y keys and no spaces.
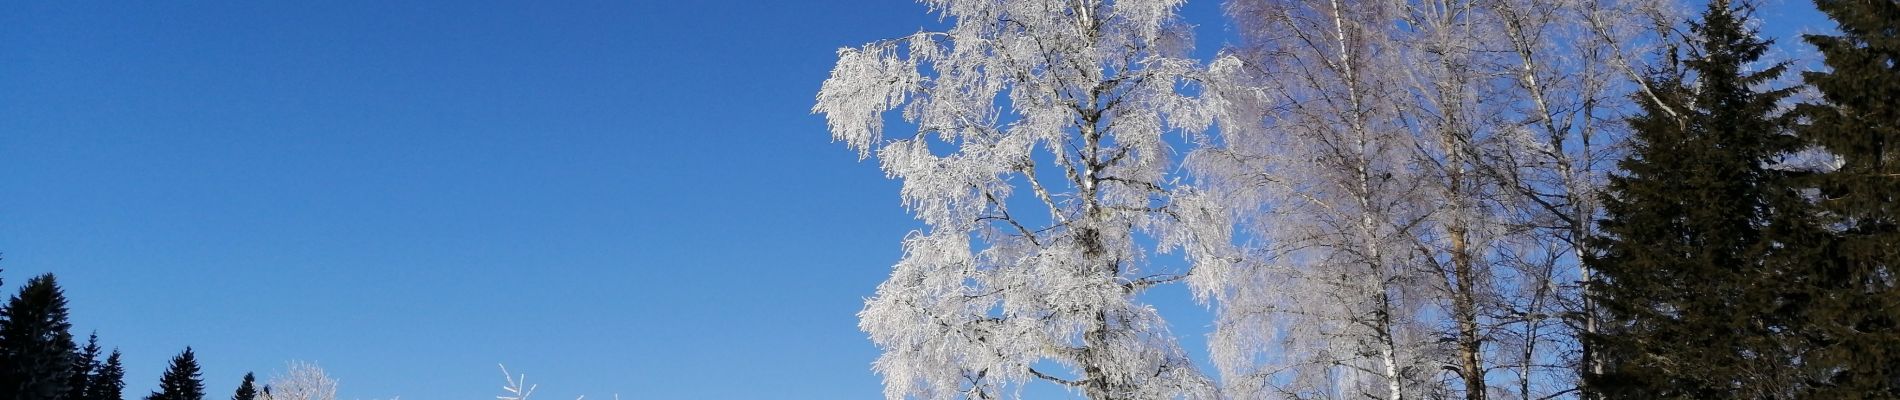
{"x":612,"y":197}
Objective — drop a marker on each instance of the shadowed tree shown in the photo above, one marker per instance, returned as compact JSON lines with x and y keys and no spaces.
{"x":108,"y":382}
{"x":246,"y":390}
{"x":181,"y":381}
{"x":36,"y":349}
{"x":84,"y":364}
{"x":1692,"y":308}
{"x":1852,"y":321}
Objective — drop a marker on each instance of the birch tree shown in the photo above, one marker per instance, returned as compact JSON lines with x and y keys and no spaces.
{"x":1042,"y":163}
{"x":1516,"y":106}
{"x":1497,"y":117}
{"x":1508,"y":99}
{"x":1450,"y":111}
{"x":1570,"y":69}
{"x":1329,"y":310}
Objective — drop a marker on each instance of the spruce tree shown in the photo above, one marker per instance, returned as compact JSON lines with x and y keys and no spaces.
{"x":84,"y":363}
{"x":1852,"y":323}
{"x":182,"y":381}
{"x":36,"y":349}
{"x":108,"y":383}
{"x":1690,"y":308}
{"x":246,"y":390}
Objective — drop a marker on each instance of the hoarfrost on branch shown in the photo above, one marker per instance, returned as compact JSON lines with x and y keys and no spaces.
{"x":1043,"y":163}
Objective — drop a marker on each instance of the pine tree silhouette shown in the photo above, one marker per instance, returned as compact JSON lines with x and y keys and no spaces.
{"x":182,"y":381}
{"x":246,"y":390}
{"x":36,"y":349}
{"x":85,"y":362}
{"x":108,"y":383}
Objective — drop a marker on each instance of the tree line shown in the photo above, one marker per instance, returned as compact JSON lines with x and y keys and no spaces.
{"x":39,"y":360}
{"x":1393,"y":199}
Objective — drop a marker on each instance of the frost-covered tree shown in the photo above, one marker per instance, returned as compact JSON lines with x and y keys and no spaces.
{"x":1508,"y":102}
{"x":518,"y":387}
{"x":1329,"y":301}
{"x":1569,"y":83}
{"x":300,"y":381}
{"x":1449,"y":109}
{"x":1043,"y":163}
{"x":1448,"y":150}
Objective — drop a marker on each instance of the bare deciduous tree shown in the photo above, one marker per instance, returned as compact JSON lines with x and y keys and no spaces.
{"x":1336,"y":214}
{"x":1497,"y":118}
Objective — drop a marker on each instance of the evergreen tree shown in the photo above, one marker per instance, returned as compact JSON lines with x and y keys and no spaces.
{"x":108,"y":383}
{"x":36,"y":350}
{"x":1853,"y":318}
{"x":1691,"y":306}
{"x":84,"y":363}
{"x":246,"y":390}
{"x":182,"y":380}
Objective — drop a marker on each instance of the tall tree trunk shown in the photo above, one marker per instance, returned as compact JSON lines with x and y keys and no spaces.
{"x":1095,"y":382}
{"x":1471,"y":366}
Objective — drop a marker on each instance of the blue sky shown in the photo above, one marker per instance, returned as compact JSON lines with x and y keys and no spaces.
{"x":612,"y":197}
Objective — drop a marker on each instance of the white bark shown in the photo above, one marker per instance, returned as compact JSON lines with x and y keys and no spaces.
{"x":1334,"y":210}
{"x":1496,"y":117}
